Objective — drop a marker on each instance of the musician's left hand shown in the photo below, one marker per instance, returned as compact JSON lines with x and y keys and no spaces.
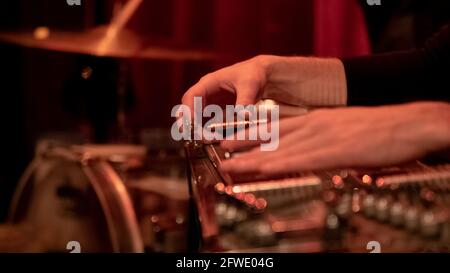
{"x":348,"y":137}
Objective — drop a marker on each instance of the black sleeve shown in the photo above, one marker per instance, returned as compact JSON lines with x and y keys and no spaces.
{"x":421,"y":74}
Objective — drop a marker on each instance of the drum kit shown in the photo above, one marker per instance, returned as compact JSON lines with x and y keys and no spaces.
{"x":106,"y":47}
{"x":101,"y":41}
{"x":106,"y":198}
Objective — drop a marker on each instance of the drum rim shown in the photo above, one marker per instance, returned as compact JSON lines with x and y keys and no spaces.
{"x":109,"y":188}
{"x":121,"y":219}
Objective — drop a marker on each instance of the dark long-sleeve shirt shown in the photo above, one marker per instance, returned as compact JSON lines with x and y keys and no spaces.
{"x":420,"y":74}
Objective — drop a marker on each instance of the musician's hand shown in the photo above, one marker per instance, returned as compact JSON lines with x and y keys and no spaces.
{"x":292,"y":80}
{"x":238,"y":84}
{"x":349,"y":137}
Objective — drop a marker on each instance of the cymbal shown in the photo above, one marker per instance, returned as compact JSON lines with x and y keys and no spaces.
{"x":102,"y":43}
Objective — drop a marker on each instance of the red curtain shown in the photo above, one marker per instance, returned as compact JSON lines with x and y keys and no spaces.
{"x":238,"y":29}
{"x":339,"y":29}
{"x":329,"y":28}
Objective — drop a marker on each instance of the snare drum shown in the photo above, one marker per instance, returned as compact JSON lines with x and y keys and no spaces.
{"x":106,"y":198}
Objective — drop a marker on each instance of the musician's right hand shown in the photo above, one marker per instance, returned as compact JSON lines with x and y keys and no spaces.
{"x":237,"y":84}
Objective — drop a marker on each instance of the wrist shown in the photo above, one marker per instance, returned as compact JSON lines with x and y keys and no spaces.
{"x":305,"y":80}
{"x":269,"y":63}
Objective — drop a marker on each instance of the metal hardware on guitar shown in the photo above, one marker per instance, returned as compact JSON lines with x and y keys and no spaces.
{"x":405,"y":208}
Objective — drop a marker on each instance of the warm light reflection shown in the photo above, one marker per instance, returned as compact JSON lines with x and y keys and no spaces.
{"x":229,"y":190}
{"x":380,"y":182}
{"x":260,"y":203}
{"x":41,"y":33}
{"x":220,"y":187}
{"x":86,"y":73}
{"x":337,"y":180}
{"x":367,"y":179}
{"x":250,"y":199}
{"x":240,"y":196}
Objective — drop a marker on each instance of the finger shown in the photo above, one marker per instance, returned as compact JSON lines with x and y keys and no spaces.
{"x":304,"y":138}
{"x":239,"y":166}
{"x":285,"y":127}
{"x":289,"y":125}
{"x":207,"y":85}
{"x":253,"y":160}
{"x":322,"y":159}
{"x":239,"y":145}
{"x":252,"y":139}
{"x":293,"y":144}
{"x":247,"y":92}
